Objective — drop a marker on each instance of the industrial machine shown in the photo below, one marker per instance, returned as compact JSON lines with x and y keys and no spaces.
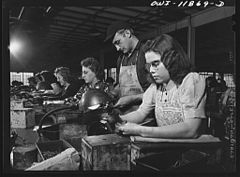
{"x":97,"y":111}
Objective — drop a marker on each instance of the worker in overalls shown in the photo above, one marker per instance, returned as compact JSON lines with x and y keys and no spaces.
{"x":177,"y":96}
{"x":132,"y":76}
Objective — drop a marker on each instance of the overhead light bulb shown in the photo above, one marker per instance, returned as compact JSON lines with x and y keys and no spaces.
{"x":15,"y":47}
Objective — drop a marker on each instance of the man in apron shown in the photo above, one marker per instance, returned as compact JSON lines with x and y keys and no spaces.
{"x":132,"y":76}
{"x":177,"y":96}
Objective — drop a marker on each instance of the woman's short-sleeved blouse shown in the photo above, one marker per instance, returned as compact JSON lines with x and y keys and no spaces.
{"x":190,"y":94}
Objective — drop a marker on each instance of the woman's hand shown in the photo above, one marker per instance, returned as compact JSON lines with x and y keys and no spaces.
{"x":129,"y":128}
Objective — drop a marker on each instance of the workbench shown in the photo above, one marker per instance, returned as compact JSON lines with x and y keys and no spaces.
{"x":114,"y":152}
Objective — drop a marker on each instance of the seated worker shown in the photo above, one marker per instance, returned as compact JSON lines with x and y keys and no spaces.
{"x":32,"y":83}
{"x":51,"y":80}
{"x":110,"y":82}
{"x":16,"y":83}
{"x":93,"y":74}
{"x":70,"y":84}
{"x":41,"y":85}
{"x":18,"y":87}
{"x":177,"y":96}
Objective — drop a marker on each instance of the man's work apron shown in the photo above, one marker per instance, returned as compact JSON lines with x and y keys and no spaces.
{"x":129,"y":84}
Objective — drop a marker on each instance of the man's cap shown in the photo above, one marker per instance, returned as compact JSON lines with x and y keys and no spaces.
{"x":114,"y":27}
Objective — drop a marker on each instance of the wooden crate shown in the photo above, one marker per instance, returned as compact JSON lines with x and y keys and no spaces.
{"x":211,"y":152}
{"x":21,"y":103}
{"x":142,"y":149}
{"x":26,"y":135}
{"x":105,"y":152}
{"x":49,"y":149}
{"x":39,"y":109}
{"x":73,"y":133}
{"x":17,"y":104}
{"x":56,"y":155}
{"x":67,"y":160}
{"x":68,"y":115}
{"x":24,"y":156}
{"x":39,"y":113}
{"x":22,"y":118}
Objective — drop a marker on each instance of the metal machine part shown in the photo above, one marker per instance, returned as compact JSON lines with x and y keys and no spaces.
{"x":94,"y":99}
{"x":98,"y":112}
{"x":42,"y":131}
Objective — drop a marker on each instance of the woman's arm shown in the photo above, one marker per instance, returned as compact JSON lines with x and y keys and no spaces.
{"x":56,"y":88}
{"x":131,"y":99}
{"x":192,"y":98}
{"x":144,"y":109}
{"x":55,"y":91}
{"x":135,"y":117}
{"x":187,"y":129}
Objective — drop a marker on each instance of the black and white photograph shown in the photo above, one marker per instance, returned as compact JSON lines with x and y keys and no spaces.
{"x":119,"y":87}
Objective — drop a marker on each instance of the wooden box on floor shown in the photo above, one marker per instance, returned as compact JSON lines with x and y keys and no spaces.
{"x":73,"y":133}
{"x":50,"y":149}
{"x":22,"y":118}
{"x":24,"y":156}
{"x":106,"y":152}
{"x":57,"y":156}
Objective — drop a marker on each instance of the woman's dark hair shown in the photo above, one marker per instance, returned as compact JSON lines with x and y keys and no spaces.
{"x":32,"y":79}
{"x":95,"y":67}
{"x":38,"y":77}
{"x":48,"y":77}
{"x":16,"y":83}
{"x":65,"y":73}
{"x":211,"y":81}
{"x":110,"y":80}
{"x":173,"y":56}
